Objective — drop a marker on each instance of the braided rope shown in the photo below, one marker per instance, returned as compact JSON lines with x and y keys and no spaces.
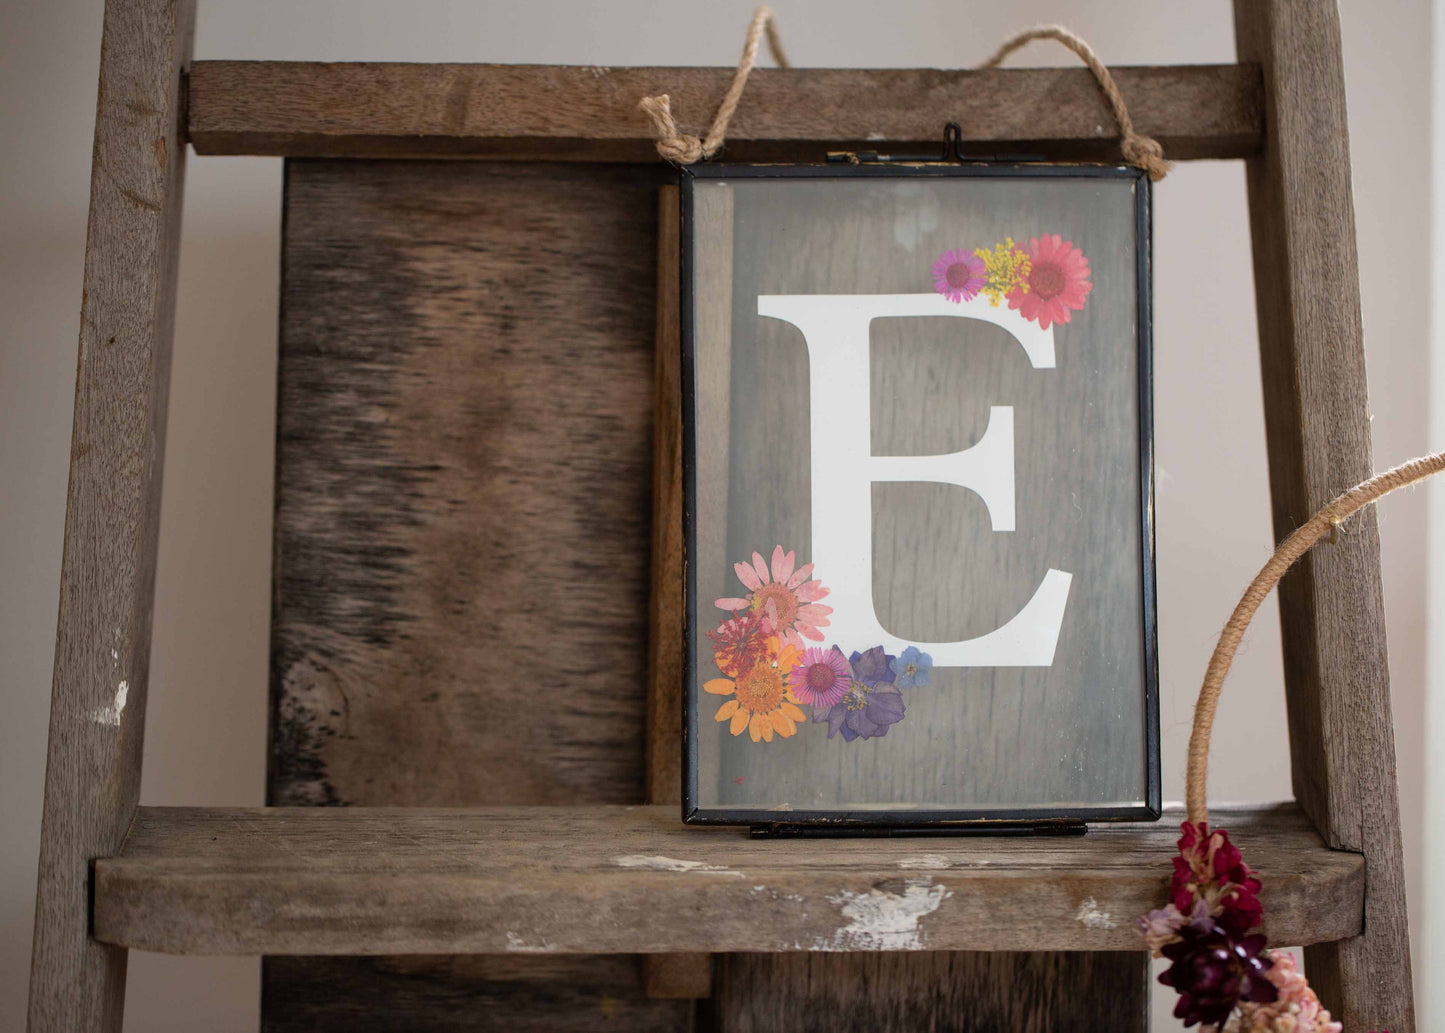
{"x":1339,"y":509}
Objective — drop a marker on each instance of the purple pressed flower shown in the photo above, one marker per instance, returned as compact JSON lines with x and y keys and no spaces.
{"x":1214,"y":972}
{"x":872,"y":666}
{"x":912,"y":668}
{"x":864,"y":714}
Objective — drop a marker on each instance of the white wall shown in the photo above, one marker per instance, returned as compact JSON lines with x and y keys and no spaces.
{"x":207,"y":706}
{"x":1431,"y":910}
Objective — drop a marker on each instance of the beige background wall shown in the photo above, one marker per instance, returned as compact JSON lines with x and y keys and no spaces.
{"x":207,"y":708}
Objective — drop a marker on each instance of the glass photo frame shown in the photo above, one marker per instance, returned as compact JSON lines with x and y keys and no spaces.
{"x":918,"y":487}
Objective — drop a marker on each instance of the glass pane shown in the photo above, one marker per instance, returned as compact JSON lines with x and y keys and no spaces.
{"x":928,"y":387}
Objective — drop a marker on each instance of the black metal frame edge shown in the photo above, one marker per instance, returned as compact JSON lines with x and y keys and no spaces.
{"x":966,"y":821}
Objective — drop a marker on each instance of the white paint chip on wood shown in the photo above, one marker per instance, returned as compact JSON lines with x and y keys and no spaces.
{"x":1091,"y":917}
{"x":111,"y":715}
{"x":658,"y":863}
{"x":926,"y":862}
{"x":517,"y":945}
{"x":884,"y":919}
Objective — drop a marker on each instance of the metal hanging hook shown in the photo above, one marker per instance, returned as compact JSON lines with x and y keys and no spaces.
{"x":952,"y":142}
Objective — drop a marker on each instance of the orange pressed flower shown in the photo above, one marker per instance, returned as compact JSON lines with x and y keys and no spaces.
{"x":761,"y":701}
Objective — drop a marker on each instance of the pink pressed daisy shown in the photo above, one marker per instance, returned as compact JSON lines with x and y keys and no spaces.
{"x":1058,"y":281}
{"x":959,"y":275}
{"x":822,"y":678}
{"x":785,"y":597}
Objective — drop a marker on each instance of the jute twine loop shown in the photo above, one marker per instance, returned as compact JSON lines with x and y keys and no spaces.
{"x":1139,"y":150}
{"x":1321,"y":525}
{"x":684,"y":149}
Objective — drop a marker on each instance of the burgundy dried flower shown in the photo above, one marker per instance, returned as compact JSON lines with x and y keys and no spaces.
{"x":1214,"y":972}
{"x":1211,"y":868}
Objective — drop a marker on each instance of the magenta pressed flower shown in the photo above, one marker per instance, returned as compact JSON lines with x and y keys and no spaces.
{"x":821,"y":678}
{"x":959,"y":275}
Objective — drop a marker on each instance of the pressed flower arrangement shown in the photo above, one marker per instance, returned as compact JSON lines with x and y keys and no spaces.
{"x":769,"y":671}
{"x":1046,"y":282}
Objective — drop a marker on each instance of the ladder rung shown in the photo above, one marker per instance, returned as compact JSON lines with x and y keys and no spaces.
{"x":609,"y":879}
{"x":310,"y":109}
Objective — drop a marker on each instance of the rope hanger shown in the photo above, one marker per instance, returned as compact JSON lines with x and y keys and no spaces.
{"x":684,"y":149}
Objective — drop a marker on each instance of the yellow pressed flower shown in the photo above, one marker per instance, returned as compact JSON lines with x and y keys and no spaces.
{"x":761,"y":703}
{"x":1007,"y":268}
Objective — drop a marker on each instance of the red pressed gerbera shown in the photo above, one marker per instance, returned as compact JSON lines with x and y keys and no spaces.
{"x":1058,"y":282}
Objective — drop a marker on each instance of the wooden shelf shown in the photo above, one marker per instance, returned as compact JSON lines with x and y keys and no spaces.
{"x":633,"y":879}
{"x":536,"y":112}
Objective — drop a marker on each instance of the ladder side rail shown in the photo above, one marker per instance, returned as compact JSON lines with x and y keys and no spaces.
{"x":107,"y":591}
{"x":1317,"y":426}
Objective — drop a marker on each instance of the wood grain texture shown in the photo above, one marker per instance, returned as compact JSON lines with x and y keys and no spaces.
{"x":677,"y":976}
{"x":665,"y":650}
{"x":608,"y":879}
{"x":463,"y":487}
{"x":465,"y":994}
{"x":668,"y":975}
{"x":535,"y":112}
{"x":463,"y":507}
{"x":107,"y":581}
{"x":932,"y":992}
{"x":1317,"y":421}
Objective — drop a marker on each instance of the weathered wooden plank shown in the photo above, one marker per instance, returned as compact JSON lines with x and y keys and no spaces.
{"x":932,"y":991}
{"x":1318,"y":427}
{"x":537,"y":112}
{"x":466,"y":994}
{"x":464,"y":465}
{"x":464,"y":460}
{"x":607,"y":879}
{"x":107,"y":581}
{"x":665,"y":668}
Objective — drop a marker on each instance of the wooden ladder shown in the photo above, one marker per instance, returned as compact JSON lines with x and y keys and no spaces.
{"x":525,"y":891}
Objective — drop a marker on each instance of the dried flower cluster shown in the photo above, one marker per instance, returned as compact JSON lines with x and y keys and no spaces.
{"x":1046,"y":282}
{"x":770,"y":671}
{"x":1226,"y":979}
